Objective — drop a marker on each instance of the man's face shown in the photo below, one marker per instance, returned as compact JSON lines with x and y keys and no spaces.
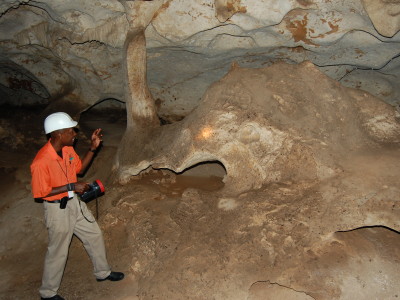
{"x":68,"y":136}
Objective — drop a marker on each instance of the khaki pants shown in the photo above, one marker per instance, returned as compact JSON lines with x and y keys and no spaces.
{"x":61,"y":225}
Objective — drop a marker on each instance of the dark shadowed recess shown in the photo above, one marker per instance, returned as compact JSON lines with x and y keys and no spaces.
{"x":109,"y":115}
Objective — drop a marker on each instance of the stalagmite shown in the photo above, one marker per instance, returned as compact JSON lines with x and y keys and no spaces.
{"x":141,"y":113}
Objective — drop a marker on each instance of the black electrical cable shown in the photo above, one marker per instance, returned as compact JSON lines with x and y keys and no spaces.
{"x":84,"y":214}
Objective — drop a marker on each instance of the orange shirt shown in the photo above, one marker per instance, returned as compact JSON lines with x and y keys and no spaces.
{"x":50,"y":170}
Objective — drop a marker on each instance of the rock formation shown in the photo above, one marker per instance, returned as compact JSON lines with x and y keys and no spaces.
{"x":296,"y":99}
{"x":271,"y":125}
{"x":306,"y":160}
{"x":52,"y":50}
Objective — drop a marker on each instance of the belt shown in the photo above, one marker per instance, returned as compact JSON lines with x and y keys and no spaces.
{"x":55,"y":201}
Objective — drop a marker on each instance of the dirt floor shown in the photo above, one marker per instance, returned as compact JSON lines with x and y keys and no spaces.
{"x":178,"y":236}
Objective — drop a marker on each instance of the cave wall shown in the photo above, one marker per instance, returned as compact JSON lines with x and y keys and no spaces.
{"x":73,"y":51}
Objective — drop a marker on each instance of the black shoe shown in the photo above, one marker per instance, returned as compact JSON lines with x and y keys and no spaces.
{"x":114,"y":276}
{"x":56,"y":297}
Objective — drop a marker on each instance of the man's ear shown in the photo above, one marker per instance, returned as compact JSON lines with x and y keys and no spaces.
{"x":56,"y":134}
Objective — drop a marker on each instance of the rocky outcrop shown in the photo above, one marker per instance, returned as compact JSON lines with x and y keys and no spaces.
{"x":271,"y":125}
{"x":308,"y":162}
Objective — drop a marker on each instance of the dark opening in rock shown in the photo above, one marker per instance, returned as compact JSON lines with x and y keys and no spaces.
{"x":206,"y":176}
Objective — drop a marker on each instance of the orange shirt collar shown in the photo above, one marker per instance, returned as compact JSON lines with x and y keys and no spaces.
{"x":52,"y":152}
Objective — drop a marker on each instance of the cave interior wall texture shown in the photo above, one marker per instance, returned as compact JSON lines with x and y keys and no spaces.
{"x":56,"y":52}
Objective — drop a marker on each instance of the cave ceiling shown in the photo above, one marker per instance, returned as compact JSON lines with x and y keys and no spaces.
{"x":54,"y":51}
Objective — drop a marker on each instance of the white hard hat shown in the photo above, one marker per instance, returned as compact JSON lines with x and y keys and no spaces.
{"x":58,"y":120}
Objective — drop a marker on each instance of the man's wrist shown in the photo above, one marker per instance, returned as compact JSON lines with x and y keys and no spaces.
{"x":92,"y":150}
{"x":71,"y":186}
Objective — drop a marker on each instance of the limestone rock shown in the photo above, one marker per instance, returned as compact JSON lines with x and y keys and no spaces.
{"x":271,"y":125}
{"x":74,"y":51}
{"x":385,"y":15}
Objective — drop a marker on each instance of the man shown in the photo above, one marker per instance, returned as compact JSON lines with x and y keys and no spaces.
{"x":54,"y":180}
